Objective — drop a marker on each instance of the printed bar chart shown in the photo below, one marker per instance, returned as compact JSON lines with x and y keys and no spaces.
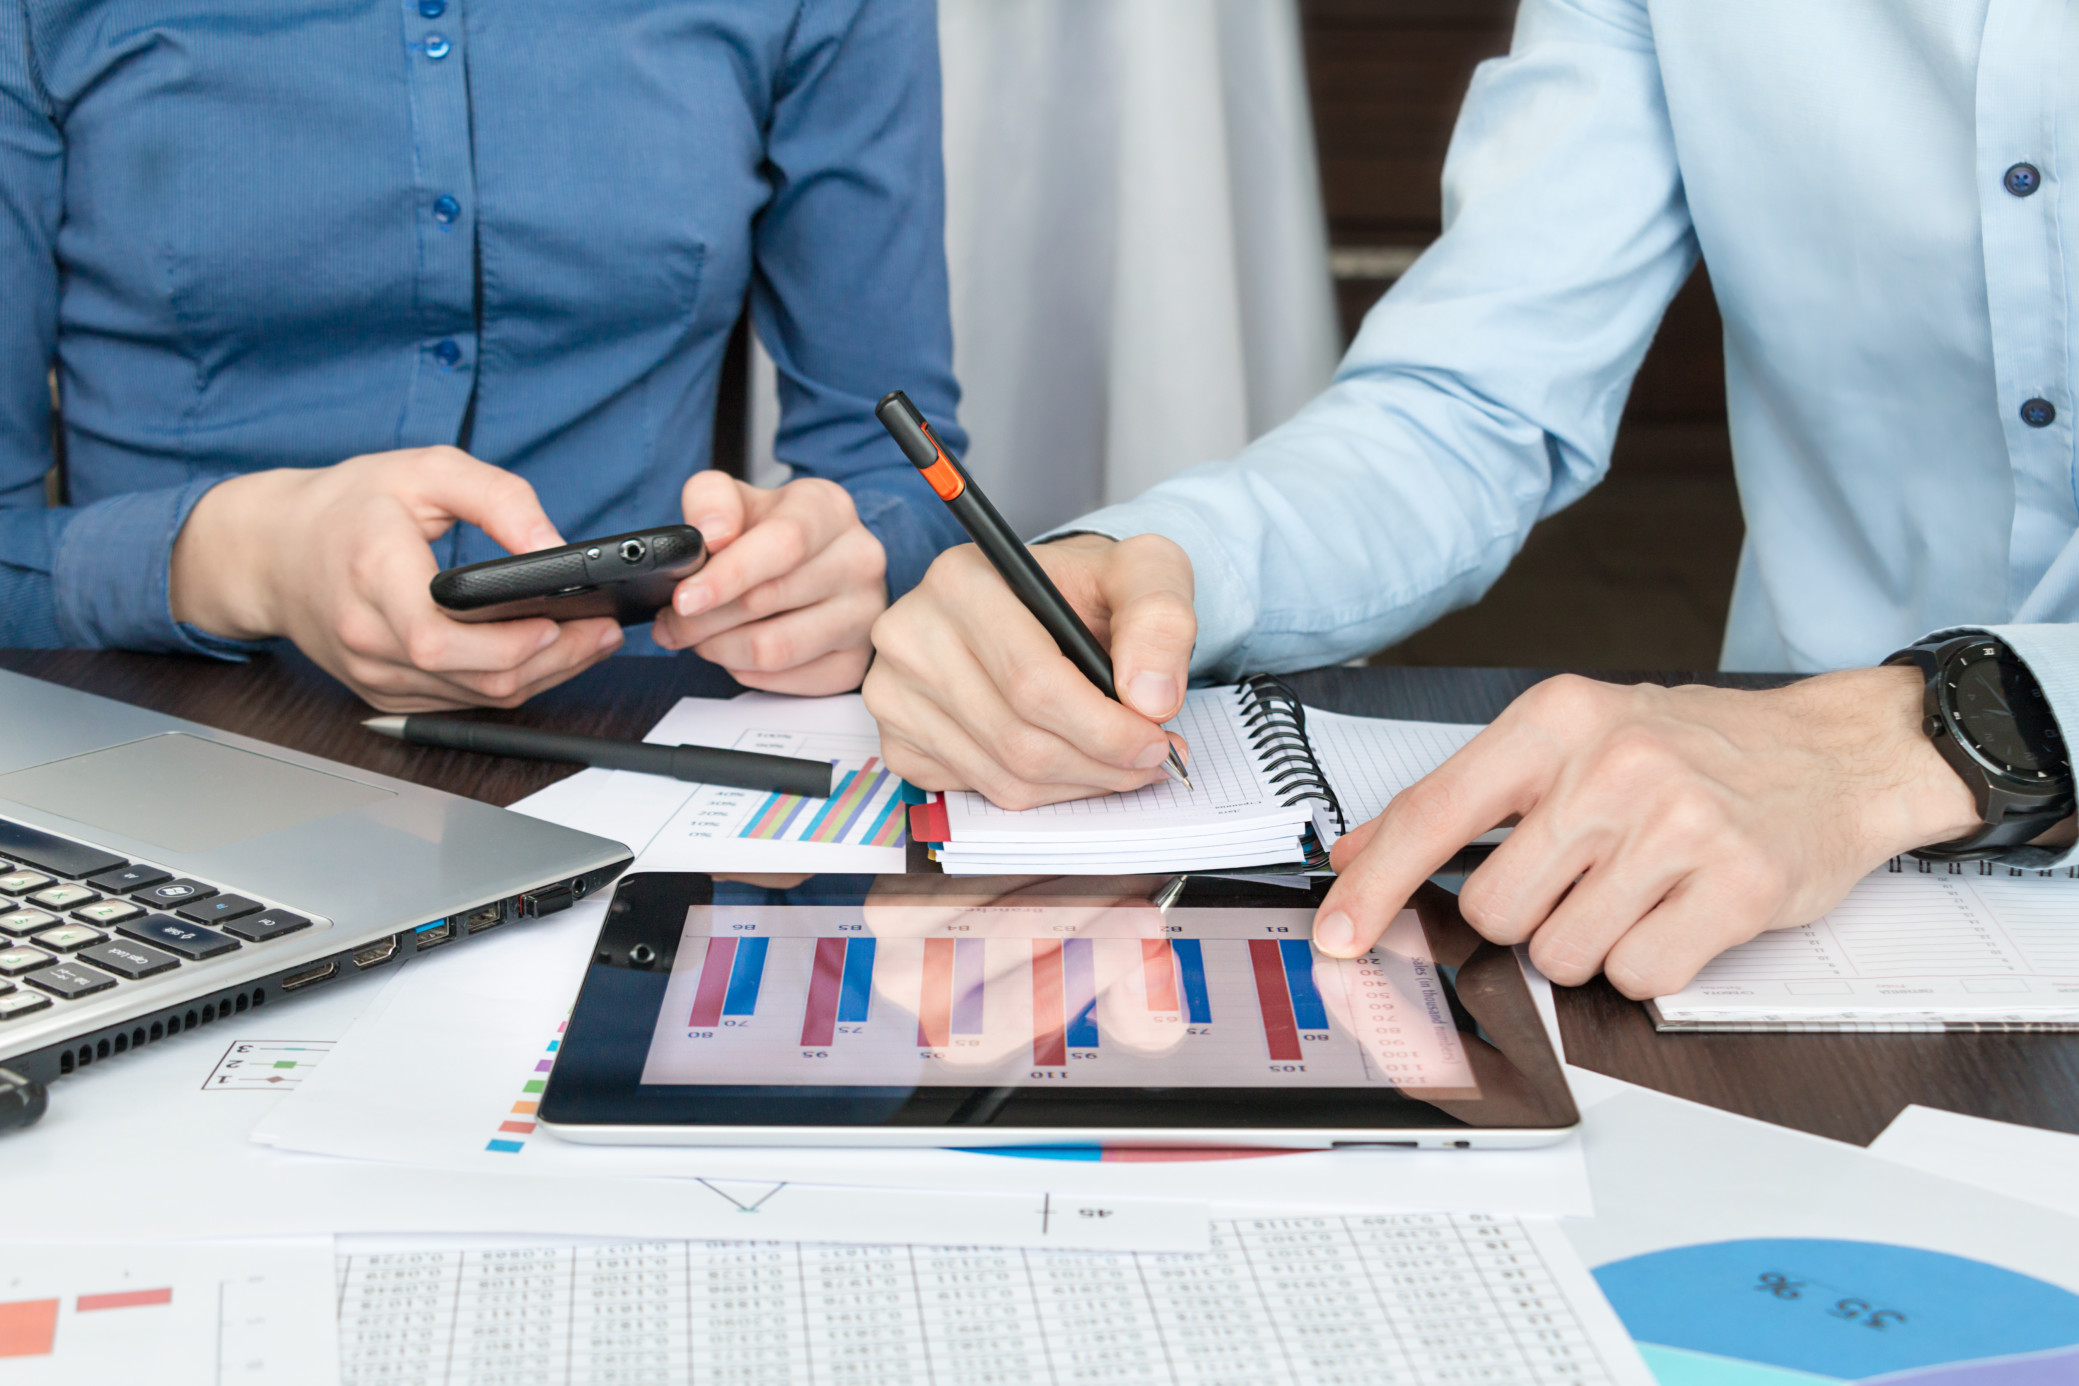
{"x":1079,"y":971}
{"x":863,"y":808}
{"x":729,"y":978}
{"x":1274,"y":996}
{"x":28,"y":1328}
{"x":124,"y":1299}
{"x":1191,"y":962}
{"x":1049,"y":1042}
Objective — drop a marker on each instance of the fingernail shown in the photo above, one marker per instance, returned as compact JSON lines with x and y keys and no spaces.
{"x":548,"y":638}
{"x":1152,"y":756}
{"x":1153,"y":695}
{"x":710,"y":524}
{"x":691,"y":600}
{"x":544,"y":538}
{"x":610,"y":638}
{"x":1334,"y":933}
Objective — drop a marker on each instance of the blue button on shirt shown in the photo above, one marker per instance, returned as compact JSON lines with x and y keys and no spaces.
{"x":248,"y":245}
{"x":1898,"y":342}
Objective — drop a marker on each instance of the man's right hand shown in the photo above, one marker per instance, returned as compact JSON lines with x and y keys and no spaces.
{"x":972,"y":693}
{"x":338,"y":560}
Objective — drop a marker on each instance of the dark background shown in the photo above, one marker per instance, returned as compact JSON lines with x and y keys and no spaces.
{"x":1638,"y":575}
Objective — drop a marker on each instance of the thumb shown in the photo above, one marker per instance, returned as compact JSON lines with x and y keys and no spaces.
{"x":1147,"y":585}
{"x":452,"y":485}
{"x":715,"y":504}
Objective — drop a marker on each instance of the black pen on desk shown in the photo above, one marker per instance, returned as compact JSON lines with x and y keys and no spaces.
{"x":914,"y":434}
{"x":700,"y":764}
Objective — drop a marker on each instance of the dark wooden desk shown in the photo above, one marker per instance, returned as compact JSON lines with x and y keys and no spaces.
{"x":1844,"y":1086}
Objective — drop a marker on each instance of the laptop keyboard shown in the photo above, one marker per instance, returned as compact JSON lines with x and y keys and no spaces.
{"x":76,"y":921}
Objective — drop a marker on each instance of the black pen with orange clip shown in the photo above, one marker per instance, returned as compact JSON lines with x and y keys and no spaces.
{"x":1028,"y":581}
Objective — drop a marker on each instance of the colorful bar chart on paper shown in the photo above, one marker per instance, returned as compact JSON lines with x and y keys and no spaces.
{"x":863,"y":809}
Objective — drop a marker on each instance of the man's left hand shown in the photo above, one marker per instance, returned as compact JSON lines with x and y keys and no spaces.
{"x":1659,"y":826}
{"x":791,"y":588}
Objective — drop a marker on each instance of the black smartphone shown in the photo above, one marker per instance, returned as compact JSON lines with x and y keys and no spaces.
{"x":629,"y":577}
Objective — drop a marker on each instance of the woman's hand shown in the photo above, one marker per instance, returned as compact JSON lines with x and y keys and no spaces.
{"x":338,"y":560}
{"x":791,"y":588}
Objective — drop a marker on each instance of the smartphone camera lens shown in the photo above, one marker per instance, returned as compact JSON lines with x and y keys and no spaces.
{"x":632,"y":550}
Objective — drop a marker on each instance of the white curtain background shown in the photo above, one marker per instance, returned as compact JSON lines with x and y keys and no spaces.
{"x":1134,"y":229}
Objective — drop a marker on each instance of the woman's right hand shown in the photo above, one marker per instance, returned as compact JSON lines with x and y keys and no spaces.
{"x":338,"y":560}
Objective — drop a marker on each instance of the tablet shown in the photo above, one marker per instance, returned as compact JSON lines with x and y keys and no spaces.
{"x":981,"y":1011}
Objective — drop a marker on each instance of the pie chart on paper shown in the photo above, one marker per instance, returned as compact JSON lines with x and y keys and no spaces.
{"x":1816,"y":1312}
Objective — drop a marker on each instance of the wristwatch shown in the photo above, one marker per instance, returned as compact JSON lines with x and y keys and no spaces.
{"x":1987,"y":716}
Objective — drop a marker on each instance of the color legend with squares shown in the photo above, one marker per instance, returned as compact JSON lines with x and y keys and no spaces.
{"x":519,"y":1123}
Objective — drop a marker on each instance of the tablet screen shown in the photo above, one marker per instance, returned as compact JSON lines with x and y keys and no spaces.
{"x":1126,"y":995}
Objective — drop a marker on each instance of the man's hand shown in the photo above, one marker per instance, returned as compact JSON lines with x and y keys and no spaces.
{"x":1659,"y":826}
{"x":338,"y":560}
{"x":790,"y":590}
{"x":971,"y":692}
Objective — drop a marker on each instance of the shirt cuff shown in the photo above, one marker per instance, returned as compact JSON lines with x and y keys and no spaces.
{"x":111,"y":573}
{"x":1224,"y":602}
{"x":2051,"y":653}
{"x":911,"y":522}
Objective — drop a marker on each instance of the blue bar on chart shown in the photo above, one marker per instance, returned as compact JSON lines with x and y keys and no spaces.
{"x":744,"y":977}
{"x":1079,"y":966}
{"x":1191,"y":961}
{"x":1307,"y":1011}
{"x":967,"y":986}
{"x":855,"y":996}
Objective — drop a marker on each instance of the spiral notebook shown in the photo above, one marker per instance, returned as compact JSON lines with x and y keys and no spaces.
{"x":1273,"y":784}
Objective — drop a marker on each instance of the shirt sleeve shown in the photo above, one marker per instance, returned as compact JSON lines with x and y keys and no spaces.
{"x":93,"y":575}
{"x":849,"y":291}
{"x":1483,"y":392}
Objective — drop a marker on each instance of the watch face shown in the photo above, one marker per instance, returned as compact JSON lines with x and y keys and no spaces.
{"x":2000,"y":711}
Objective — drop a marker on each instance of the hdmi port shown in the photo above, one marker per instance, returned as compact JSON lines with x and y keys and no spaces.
{"x":377,"y":954}
{"x":311,"y":976}
{"x":433,"y":935}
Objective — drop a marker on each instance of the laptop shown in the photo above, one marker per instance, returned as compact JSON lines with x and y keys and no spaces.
{"x":157,"y":875}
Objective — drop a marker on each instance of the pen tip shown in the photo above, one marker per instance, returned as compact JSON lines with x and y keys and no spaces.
{"x":1175,"y":766}
{"x":385,"y":726}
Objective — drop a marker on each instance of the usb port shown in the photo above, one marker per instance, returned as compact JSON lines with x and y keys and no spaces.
{"x":536,"y":903}
{"x":311,"y":976}
{"x":433,"y":935}
{"x":375,"y":955}
{"x":476,"y":921}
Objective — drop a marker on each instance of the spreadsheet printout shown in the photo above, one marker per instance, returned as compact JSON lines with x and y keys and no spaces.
{"x":1410,"y":1299}
{"x":1906,"y":950}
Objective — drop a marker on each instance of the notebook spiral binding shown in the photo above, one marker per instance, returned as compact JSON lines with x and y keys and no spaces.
{"x":1276,"y":723}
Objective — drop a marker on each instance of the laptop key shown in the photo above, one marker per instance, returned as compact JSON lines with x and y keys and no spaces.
{"x":67,"y":938}
{"x":177,"y":936}
{"x":262,"y":928}
{"x":55,"y":854}
{"x":128,"y":878}
{"x":69,"y":981}
{"x":63,"y":897}
{"x":132,"y":960}
{"x":173,"y":894}
{"x":104,"y":913}
{"x":26,"y":921}
{"x":218,"y":907}
{"x":22,"y":1003}
{"x":22,"y":882}
{"x":15,"y":961}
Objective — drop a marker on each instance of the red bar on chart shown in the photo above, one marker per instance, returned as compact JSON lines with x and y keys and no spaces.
{"x":1049,"y":1042}
{"x":28,"y":1327}
{"x":714,"y":983}
{"x":819,"y":1022}
{"x":935,"y":998}
{"x":124,"y":1299}
{"x":1275,"y":1000}
{"x":1159,"y":974}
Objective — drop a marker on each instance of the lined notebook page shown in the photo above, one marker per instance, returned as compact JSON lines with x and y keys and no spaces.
{"x":1228,"y":787}
{"x":1370,"y":759}
{"x":1904,"y":950}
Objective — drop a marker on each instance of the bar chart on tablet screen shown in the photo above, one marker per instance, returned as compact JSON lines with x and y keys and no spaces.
{"x":860,"y":827}
{"x":815,"y":995}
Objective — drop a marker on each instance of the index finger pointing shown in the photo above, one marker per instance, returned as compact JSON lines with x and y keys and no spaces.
{"x":1498,"y":773}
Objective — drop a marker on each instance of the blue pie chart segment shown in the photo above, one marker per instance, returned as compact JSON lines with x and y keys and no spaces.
{"x":1777,"y":1312}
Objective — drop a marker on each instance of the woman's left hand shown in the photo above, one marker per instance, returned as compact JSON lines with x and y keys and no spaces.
{"x":791,"y":587}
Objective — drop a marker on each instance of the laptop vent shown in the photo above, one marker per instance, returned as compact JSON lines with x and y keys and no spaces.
{"x":122,"y":1041}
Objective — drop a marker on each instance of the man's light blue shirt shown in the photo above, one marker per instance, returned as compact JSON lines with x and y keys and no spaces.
{"x":1898,"y":300}
{"x":286,"y":234}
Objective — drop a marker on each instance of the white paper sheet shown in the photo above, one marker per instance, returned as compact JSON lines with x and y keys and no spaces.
{"x":1371,"y":759}
{"x":1416,"y":1299}
{"x":488,"y":1021}
{"x":2016,"y":1161}
{"x":220,"y":1314}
